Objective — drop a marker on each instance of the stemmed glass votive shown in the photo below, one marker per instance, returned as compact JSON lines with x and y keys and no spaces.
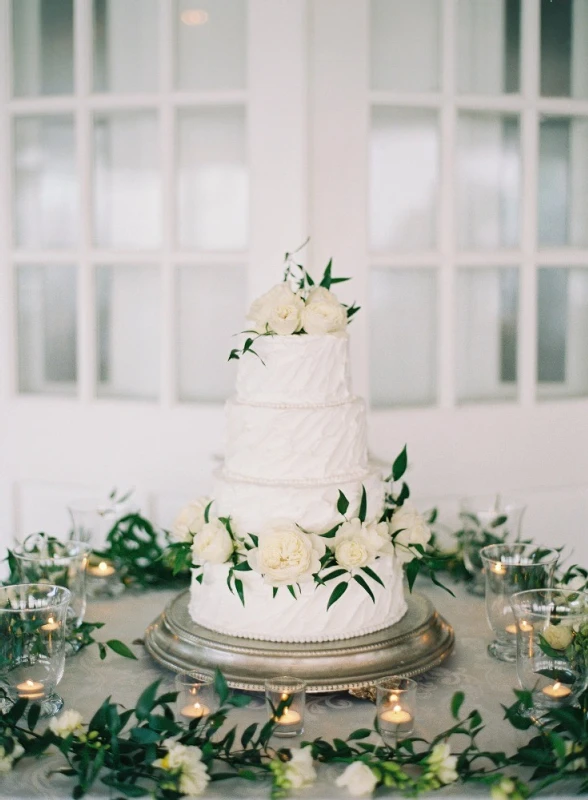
{"x":286,"y":699}
{"x":32,"y":644}
{"x":552,"y":645}
{"x":44,"y":559}
{"x":511,"y":568}
{"x":485,"y":520}
{"x":196,"y":696}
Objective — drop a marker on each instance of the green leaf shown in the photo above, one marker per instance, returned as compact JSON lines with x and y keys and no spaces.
{"x":292,"y":592}
{"x":145,"y":735}
{"x":364,"y":586}
{"x":456,"y":704}
{"x":146,"y":701}
{"x":121,"y":649}
{"x":33,"y":716}
{"x":360,"y":733}
{"x":412,"y":570}
{"x":335,"y":574}
{"x":362,"y":505}
{"x":548,"y":649}
{"x":332,"y":533}
{"x":239,"y":589}
{"x":254,"y":539}
{"x":274,"y":591}
{"x":342,"y":504}
{"x":220,"y":687}
{"x":337,"y":592}
{"x":242,"y":566}
{"x":207,"y":512}
{"x":404,"y":495}
{"x":326,"y":279}
{"x":128,"y":789}
{"x":373,"y":575}
{"x":248,"y":734}
{"x":399,"y":465}
{"x":101,"y":650}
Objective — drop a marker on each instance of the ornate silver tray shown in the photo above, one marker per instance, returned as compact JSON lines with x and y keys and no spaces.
{"x":420,"y":641}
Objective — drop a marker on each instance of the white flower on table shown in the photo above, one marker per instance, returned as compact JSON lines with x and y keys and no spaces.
{"x":285,"y":554}
{"x":190,"y":520}
{"x":323,"y":313}
{"x":296,"y":773}
{"x":441,"y":764}
{"x":357,"y":543}
{"x":358,"y":778}
{"x":68,"y":722}
{"x":558,"y":636}
{"x":280,"y":310}
{"x":7,"y":759}
{"x":212,"y":544}
{"x":185,"y":763}
{"x":573,"y":764}
{"x":408,"y":528}
{"x":506,"y":789}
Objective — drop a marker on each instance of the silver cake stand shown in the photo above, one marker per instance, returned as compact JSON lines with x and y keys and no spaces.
{"x":421,"y":640}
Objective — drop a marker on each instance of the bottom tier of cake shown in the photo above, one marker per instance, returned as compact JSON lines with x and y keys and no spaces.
{"x":304,"y":619}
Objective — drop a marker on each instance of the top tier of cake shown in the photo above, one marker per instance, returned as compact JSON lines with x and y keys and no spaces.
{"x":296,"y":371}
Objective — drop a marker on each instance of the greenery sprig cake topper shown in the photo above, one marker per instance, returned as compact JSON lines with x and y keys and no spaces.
{"x":336,"y":557}
{"x":297,"y":306}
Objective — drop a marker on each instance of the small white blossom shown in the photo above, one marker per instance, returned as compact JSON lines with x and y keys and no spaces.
{"x":558,"y":636}
{"x":576,"y":763}
{"x":358,"y":778}
{"x":7,"y":759}
{"x":69,"y":721}
{"x":296,"y":773}
{"x":441,"y":764}
{"x":190,"y":520}
{"x":185,"y":763}
{"x":410,"y":529}
{"x":212,"y":544}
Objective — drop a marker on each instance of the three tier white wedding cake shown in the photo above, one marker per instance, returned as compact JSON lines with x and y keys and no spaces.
{"x":304,"y":541}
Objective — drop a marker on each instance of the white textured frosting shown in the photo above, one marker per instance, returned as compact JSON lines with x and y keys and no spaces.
{"x":296,"y":443}
{"x":299,"y":370}
{"x":305,"y":619}
{"x":313,"y":505}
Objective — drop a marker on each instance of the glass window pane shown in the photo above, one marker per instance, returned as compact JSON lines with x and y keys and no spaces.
{"x":396,"y":63}
{"x":487,"y":325}
{"x":46,"y":313}
{"x":404,"y":176}
{"x":212,"y":179}
{"x":127,"y":197}
{"x":489,"y":180}
{"x":211,"y":44}
{"x":403,"y":337}
{"x":563,"y":181}
{"x":124,"y":62}
{"x":212,"y":302}
{"x":46,"y":198}
{"x":128,"y":331}
{"x":562,"y":331}
{"x":42,"y":47}
{"x":564,"y":48}
{"x":489,"y":35}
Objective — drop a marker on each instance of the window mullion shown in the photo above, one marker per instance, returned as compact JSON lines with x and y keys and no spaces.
{"x":7,"y":318}
{"x":527,"y":352}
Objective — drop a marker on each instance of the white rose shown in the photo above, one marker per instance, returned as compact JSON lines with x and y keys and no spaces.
{"x":323,"y":313}
{"x":558,"y":636}
{"x":69,"y":721}
{"x":7,"y":760}
{"x":356,"y":543}
{"x":190,"y":520}
{"x":187,"y":761}
{"x":378,"y":535}
{"x":212,"y":544}
{"x":411,"y":529}
{"x":442,"y":764}
{"x":503,"y":789}
{"x":358,"y":778}
{"x":285,"y":554}
{"x":300,"y":771}
{"x":280,"y":309}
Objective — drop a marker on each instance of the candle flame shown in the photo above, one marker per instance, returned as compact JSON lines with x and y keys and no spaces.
{"x":498,"y":568}
{"x":284,"y":697}
{"x":556,"y":685}
{"x":102,"y":566}
{"x":50,"y":621}
{"x":29,"y":682}
{"x":393,"y":698}
{"x":397,"y":708}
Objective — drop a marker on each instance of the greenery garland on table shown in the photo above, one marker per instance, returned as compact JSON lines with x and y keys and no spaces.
{"x":146,"y":751}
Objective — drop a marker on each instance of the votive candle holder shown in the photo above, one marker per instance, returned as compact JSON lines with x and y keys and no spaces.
{"x":396,"y":706}
{"x":32,"y":644}
{"x":511,"y":568}
{"x":285,"y":699}
{"x":196,"y":696}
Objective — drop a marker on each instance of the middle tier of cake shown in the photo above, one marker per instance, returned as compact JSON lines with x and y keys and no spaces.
{"x":294,"y":443}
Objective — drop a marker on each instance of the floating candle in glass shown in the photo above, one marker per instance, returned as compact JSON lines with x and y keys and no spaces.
{"x":30,"y":690}
{"x":196,"y":696}
{"x":286,"y":698}
{"x":557,"y":690}
{"x":396,"y":704}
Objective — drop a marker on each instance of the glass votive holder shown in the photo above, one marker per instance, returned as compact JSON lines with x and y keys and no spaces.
{"x":44,"y":559}
{"x":102,"y":578}
{"x":552,"y":642}
{"x":396,"y":706}
{"x":92,"y":519}
{"x":285,"y":699}
{"x":32,"y":644}
{"x":487,"y":519}
{"x":196,"y":696}
{"x":511,"y":568}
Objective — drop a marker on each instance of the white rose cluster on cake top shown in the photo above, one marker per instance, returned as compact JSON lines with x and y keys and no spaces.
{"x":304,"y":541}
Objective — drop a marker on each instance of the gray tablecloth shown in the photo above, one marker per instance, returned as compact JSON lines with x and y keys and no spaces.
{"x":87,"y":681}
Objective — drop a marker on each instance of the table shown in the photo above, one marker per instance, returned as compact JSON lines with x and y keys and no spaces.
{"x":87,"y":681}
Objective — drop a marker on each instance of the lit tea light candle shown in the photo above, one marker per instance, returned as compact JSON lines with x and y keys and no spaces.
{"x":195,"y":711}
{"x":289,"y":716}
{"x":498,"y":568}
{"x":101,"y":570}
{"x":512,"y":628}
{"x":30,"y":690}
{"x":525,"y":626}
{"x":557,"y":691}
{"x":396,"y":715}
{"x":50,"y":625}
